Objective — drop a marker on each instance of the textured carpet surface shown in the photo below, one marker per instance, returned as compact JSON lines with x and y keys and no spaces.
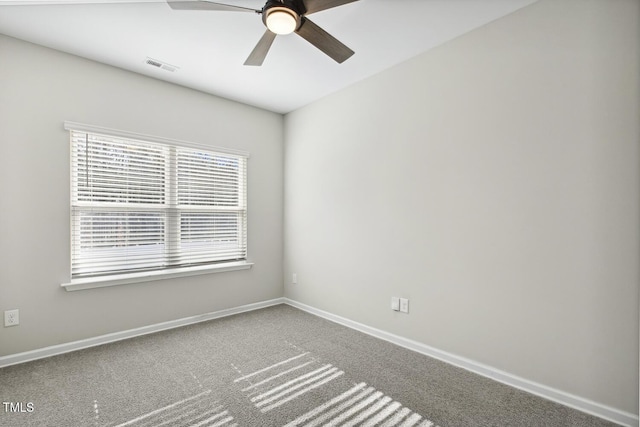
{"x":277,"y":366}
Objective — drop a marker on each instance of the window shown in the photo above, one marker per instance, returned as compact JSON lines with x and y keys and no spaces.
{"x":143,"y":206}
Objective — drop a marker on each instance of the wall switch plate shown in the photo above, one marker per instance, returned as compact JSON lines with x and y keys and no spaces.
{"x":294,"y":279}
{"x":395,"y":303}
{"x":404,"y":305}
{"x":11,"y":318}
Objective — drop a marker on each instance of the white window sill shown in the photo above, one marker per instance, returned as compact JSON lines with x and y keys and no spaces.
{"x":147,"y":276}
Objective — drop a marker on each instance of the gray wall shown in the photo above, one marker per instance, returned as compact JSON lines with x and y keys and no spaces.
{"x":39,"y":90}
{"x":493,"y":181}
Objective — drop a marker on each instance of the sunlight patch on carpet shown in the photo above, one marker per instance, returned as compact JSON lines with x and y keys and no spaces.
{"x":281,"y":386}
{"x":195,"y":411}
{"x":361,"y":405}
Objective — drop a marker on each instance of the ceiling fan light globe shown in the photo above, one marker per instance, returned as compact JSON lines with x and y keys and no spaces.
{"x":281,"y":22}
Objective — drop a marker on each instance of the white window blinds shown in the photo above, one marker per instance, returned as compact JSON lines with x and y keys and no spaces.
{"x":139,"y":205}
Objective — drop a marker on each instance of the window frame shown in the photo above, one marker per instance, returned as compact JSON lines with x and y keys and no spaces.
{"x":167,"y":272}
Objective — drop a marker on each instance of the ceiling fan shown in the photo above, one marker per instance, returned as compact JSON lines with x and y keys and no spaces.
{"x":282,"y":17}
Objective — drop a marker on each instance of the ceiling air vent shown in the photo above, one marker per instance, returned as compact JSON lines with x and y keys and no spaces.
{"x":160,"y":64}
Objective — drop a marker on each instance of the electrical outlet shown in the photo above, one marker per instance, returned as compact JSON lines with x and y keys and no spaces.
{"x":395,"y":303}
{"x":11,"y":318}
{"x":404,"y":305}
{"x":294,"y":279}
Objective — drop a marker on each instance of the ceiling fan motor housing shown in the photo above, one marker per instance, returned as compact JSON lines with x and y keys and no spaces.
{"x":295,"y":8}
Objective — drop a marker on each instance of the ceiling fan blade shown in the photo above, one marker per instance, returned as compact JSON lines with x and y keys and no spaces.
{"x":207,"y":5}
{"x":257,"y":55}
{"x":70,"y":2}
{"x":324,"y":41}
{"x":314,"y":6}
{"x":175,"y":4}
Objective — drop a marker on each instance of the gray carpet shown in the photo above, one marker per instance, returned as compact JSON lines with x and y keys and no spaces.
{"x":272,"y":367}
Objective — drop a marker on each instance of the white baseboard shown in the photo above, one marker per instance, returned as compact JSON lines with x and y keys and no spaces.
{"x":14,"y":359}
{"x":558,"y":396}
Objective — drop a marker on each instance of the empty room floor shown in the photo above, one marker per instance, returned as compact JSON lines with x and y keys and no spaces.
{"x":277,"y":366}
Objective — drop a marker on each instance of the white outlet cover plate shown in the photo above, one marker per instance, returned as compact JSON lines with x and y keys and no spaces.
{"x":404,"y":305}
{"x":11,"y":317}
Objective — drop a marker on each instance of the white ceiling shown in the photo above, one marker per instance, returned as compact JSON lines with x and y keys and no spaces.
{"x":210,"y":47}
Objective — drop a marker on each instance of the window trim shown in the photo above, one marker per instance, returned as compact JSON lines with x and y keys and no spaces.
{"x":69,"y":126}
{"x":148,"y":276}
{"x":161,"y":274}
